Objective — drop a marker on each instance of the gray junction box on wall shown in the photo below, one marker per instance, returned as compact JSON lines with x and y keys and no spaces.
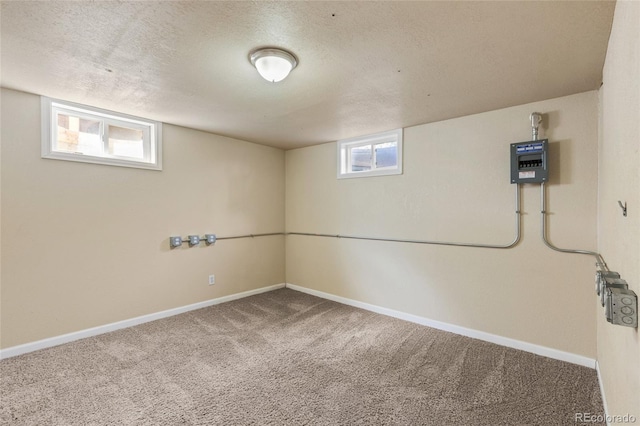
{"x":529,"y":161}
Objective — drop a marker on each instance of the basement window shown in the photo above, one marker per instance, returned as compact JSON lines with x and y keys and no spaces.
{"x":82,"y":133}
{"x":373,"y":155}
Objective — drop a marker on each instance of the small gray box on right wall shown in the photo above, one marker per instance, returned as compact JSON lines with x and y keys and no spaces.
{"x":622,"y":307}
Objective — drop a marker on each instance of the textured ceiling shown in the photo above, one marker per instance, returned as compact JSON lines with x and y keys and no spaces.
{"x":363,"y":67}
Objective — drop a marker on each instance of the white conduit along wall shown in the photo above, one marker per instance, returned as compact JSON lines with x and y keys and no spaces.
{"x":536,"y":120}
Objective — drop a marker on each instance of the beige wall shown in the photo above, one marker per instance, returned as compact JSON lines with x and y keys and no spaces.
{"x":456,"y":187}
{"x":84,"y":245}
{"x":619,"y":179}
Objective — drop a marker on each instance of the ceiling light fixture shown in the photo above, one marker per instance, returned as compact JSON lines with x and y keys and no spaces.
{"x":273,"y":64}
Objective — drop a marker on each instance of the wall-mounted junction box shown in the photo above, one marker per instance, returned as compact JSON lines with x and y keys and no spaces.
{"x":621,"y":307}
{"x":600,"y":276}
{"x":610,"y":282}
{"x":175,"y":242}
{"x":529,"y":162}
{"x":194,"y":240}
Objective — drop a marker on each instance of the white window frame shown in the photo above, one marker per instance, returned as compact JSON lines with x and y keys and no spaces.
{"x":152,"y":135}
{"x":345,"y":147}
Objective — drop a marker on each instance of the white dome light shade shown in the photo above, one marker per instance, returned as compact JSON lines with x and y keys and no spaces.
{"x":273,"y":68}
{"x":273,"y":64}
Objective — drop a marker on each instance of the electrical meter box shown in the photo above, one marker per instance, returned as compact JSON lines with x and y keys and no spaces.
{"x":529,"y":162}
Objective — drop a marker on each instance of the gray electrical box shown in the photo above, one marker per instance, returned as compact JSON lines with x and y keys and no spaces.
{"x":175,"y":242}
{"x":600,"y":277}
{"x":622,"y":307}
{"x":529,"y":162}
{"x":610,"y":282}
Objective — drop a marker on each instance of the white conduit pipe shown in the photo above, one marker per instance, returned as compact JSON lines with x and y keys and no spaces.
{"x":513,"y":243}
{"x":439,"y":243}
{"x":536,"y":119}
{"x":599,"y":260}
{"x":249,"y":236}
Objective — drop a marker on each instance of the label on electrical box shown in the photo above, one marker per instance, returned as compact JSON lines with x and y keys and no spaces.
{"x":529,"y":161}
{"x":532,"y":147}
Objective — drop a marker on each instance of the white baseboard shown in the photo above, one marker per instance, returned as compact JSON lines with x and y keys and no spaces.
{"x":89,"y":332}
{"x":481,"y":335}
{"x":604,"y":398}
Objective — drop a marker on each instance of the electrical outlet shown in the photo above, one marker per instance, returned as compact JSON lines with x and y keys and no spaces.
{"x":194,"y":240}
{"x":212,"y":279}
{"x":175,"y":242}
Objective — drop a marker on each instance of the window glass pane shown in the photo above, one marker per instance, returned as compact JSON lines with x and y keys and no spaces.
{"x":104,"y":137}
{"x":124,"y":142}
{"x":78,"y":135}
{"x":361,"y":158}
{"x":386,"y":154}
{"x":379,"y":154}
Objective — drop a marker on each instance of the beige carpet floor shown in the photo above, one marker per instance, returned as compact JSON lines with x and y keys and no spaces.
{"x":287,"y":358}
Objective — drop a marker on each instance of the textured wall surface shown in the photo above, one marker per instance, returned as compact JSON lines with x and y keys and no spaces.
{"x":619,"y":179}
{"x":84,"y":245}
{"x":456,"y":187}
